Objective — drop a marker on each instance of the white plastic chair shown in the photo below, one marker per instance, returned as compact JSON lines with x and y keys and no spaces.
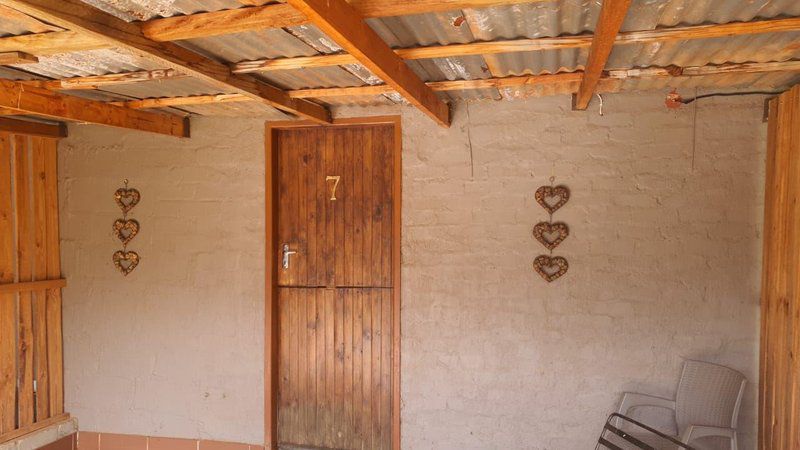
{"x":706,"y":405}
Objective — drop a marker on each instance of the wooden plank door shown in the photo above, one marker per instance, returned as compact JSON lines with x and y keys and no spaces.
{"x":335,"y":270}
{"x":779,"y":380}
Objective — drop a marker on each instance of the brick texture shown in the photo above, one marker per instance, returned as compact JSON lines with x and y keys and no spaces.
{"x":664,"y":256}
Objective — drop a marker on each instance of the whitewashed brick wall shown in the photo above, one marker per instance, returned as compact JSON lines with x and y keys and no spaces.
{"x":664,"y":255}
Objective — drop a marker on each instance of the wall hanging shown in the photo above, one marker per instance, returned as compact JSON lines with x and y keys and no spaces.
{"x":126,"y":229}
{"x":550,"y":234}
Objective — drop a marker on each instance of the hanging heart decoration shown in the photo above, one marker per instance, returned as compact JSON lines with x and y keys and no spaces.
{"x":125,"y":261}
{"x":550,"y":234}
{"x":551,"y":198}
{"x":125,"y":230}
{"x":126,"y":198}
{"x":550,"y":267}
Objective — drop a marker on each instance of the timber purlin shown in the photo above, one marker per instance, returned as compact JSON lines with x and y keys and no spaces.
{"x":31,"y":360}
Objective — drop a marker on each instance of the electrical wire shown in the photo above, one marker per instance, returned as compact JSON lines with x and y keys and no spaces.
{"x":686,"y":101}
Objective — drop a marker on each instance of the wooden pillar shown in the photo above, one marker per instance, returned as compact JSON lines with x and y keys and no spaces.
{"x":779,"y":388}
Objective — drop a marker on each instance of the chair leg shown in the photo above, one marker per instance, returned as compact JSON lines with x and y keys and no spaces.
{"x":734,"y":442}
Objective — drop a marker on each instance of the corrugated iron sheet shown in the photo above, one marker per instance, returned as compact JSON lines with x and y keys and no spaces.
{"x":131,"y":10}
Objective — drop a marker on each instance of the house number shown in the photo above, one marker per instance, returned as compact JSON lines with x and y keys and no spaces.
{"x":335,"y":179}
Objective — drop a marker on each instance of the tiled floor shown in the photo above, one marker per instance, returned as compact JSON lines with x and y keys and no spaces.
{"x":110,"y":441}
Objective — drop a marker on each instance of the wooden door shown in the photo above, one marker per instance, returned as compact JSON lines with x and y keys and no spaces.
{"x":779,"y":380}
{"x":334,"y":262}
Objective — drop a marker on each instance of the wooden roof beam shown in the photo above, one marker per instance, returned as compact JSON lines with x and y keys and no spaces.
{"x":342,"y":23}
{"x":44,"y":102}
{"x":82,"y":18}
{"x":607,"y":83}
{"x":612,"y":14}
{"x":528,"y":45}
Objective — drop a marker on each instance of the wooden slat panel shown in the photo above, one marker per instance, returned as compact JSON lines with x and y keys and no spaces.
{"x":779,"y":393}
{"x":13,"y":288}
{"x":362,"y":254}
{"x":8,"y":366}
{"x":301,"y":184}
{"x":364,"y":196}
{"x":332,"y":387}
{"x":55,"y":358}
{"x":25,"y":250}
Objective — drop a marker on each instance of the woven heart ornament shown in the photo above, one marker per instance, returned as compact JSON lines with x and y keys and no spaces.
{"x":551,"y":198}
{"x":550,"y":267}
{"x":126,"y":198}
{"x":125,"y":261}
{"x":550,"y":234}
{"x":125,"y":230}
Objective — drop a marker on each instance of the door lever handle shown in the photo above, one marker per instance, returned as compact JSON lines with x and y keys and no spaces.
{"x":286,"y":254}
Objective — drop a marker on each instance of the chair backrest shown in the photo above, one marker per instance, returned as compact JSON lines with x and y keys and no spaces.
{"x":708,"y":394}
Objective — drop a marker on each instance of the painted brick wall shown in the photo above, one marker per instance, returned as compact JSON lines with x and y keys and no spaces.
{"x":664,"y":265}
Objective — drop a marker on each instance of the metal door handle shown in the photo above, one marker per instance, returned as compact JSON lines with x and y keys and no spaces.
{"x":286,"y":254}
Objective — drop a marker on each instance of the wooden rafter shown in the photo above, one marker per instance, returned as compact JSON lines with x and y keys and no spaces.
{"x":528,"y":45}
{"x":612,"y":14}
{"x":342,"y":23}
{"x":570,"y":80}
{"x":82,"y":18}
{"x":44,"y":102}
{"x":443,"y":51}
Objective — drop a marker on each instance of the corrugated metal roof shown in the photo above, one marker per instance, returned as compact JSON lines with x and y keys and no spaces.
{"x":131,"y":10}
{"x":92,"y":62}
{"x":531,"y":20}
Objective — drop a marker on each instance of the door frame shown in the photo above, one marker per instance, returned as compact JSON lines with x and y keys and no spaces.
{"x":271,"y":313}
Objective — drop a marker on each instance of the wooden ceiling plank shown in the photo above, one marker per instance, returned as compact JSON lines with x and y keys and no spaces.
{"x":82,"y":18}
{"x":612,"y":14}
{"x":44,"y":102}
{"x":31,"y":128}
{"x":342,"y":23}
{"x":16,"y":57}
{"x":572,"y":78}
{"x":527,"y":45}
